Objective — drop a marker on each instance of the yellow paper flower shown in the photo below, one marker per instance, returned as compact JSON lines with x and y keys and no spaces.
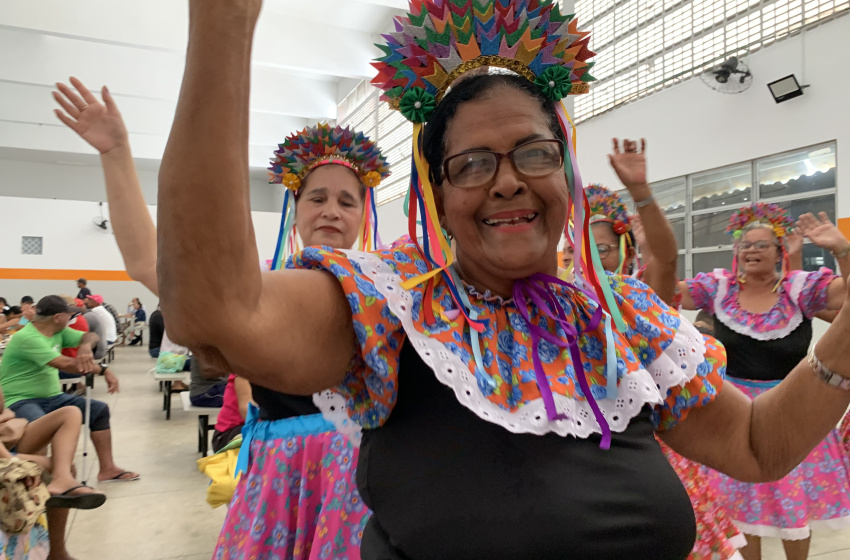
{"x":372,"y":179}
{"x":291,"y":181}
{"x":780,"y":232}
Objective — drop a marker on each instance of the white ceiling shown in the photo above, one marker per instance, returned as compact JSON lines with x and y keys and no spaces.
{"x":307,"y":56}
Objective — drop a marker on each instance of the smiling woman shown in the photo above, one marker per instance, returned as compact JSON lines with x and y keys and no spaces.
{"x":503,"y":413}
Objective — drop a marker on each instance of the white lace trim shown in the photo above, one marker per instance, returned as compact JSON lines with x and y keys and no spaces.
{"x":794,"y":321}
{"x":674,"y":367}
{"x":794,"y":534}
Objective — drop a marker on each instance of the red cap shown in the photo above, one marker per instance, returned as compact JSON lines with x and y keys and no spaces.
{"x":98,"y":299}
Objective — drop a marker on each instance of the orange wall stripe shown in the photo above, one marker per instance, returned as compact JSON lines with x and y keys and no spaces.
{"x":844,"y":226}
{"x":58,"y":274}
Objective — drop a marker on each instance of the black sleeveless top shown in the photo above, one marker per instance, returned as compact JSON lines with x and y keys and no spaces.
{"x":277,"y":406}
{"x":763,"y":360}
{"x":445,"y":484}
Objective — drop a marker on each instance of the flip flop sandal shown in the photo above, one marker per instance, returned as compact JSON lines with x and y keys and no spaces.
{"x":117,"y":478}
{"x":80,"y":501}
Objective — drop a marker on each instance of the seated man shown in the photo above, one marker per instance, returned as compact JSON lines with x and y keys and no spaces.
{"x":29,"y":376}
{"x":10,"y":319}
{"x":109,"y":323}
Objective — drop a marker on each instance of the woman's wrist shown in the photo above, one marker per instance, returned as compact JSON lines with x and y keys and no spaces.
{"x":640,"y":193}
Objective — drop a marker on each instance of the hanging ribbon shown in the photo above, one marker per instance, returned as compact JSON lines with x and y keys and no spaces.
{"x":247,"y":438}
{"x":287,"y":224}
{"x":536,"y":288}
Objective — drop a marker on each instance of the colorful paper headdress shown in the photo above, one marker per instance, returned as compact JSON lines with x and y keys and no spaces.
{"x":761,"y":212}
{"x":440,"y":40}
{"x":607,"y":206}
{"x":434,"y":45}
{"x":320,"y":145}
{"x":766,"y":213}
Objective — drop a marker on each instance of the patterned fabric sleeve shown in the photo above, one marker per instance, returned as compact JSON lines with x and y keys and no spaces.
{"x":703,"y":289}
{"x":696,"y":393}
{"x":814,"y":295}
{"x":368,"y":393}
{"x":670,"y":348}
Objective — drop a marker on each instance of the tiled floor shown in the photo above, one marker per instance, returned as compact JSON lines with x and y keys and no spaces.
{"x":164,"y":515}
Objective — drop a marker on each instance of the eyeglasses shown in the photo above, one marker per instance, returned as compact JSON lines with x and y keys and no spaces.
{"x":601,"y":248}
{"x":757,"y":245}
{"x":471,"y":169}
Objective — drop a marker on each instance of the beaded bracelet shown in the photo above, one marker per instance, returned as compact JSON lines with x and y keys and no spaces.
{"x":824,"y":374}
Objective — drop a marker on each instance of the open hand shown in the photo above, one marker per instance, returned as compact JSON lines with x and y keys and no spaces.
{"x":630,"y":165}
{"x":99,"y":124}
{"x":794,"y":241}
{"x":822,"y":232}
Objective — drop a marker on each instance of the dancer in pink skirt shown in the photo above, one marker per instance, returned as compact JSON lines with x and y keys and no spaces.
{"x":764,"y":321}
{"x":297,"y":498}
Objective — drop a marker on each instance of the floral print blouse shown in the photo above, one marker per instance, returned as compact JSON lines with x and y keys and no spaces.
{"x":661,"y":359}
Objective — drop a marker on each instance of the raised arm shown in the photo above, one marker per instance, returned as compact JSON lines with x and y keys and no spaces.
{"x":101,"y":125}
{"x":823,"y":233}
{"x":765,"y":438}
{"x":630,"y":165}
{"x":288,"y":330}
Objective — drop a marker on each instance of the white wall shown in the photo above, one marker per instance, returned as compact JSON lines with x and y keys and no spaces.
{"x":690,"y":127}
{"x":71,"y":241}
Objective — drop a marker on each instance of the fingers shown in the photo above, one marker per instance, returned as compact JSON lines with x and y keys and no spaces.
{"x":69,"y":122}
{"x":616,"y":146}
{"x":643,"y":145}
{"x":68,"y":107}
{"x":75,"y":99}
{"x":824,"y":218}
{"x":84,"y":91}
{"x":108,"y":100}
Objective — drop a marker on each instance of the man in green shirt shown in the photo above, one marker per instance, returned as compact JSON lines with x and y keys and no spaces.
{"x":29,"y":376}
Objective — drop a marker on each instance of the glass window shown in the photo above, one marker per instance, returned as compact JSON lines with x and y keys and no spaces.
{"x":680,"y":39}
{"x":722,"y":187}
{"x":680,"y":267}
{"x":670,"y":195}
{"x":709,"y":230}
{"x":706,"y":262}
{"x":678,"y":225}
{"x":799,"y":172}
{"x":814,"y":258}
{"x":814,"y":205}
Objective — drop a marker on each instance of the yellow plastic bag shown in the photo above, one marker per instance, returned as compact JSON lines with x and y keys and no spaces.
{"x":221,"y":468}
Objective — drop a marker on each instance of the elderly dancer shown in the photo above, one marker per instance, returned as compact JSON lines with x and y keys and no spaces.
{"x":763,"y":318}
{"x":329,"y":174}
{"x":534,"y":436}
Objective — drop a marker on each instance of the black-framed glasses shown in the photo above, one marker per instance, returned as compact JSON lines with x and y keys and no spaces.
{"x":474,"y":168}
{"x":757,"y":245}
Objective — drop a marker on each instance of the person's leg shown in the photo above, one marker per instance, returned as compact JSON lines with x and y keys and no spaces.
{"x":752,"y":551}
{"x":60,"y":429}
{"x":797,"y":550}
{"x":101,"y":435}
{"x":213,"y":398}
{"x":57,"y":520}
{"x":30,"y":409}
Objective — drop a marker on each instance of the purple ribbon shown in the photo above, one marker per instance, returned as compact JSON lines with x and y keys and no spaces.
{"x":536,"y":289}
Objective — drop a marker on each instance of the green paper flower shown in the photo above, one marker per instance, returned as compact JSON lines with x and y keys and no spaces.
{"x":417,"y":105}
{"x":554,"y":82}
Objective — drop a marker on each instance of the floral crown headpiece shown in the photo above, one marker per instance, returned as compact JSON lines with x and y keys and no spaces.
{"x":314,"y":147}
{"x":761,"y":212}
{"x":766,"y":213}
{"x":607,"y":206}
{"x":435,"y":44}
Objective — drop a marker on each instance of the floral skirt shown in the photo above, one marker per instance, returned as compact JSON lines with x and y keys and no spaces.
{"x":31,"y":545}
{"x":298,"y":499}
{"x":816,"y":494}
{"x":717,"y":536}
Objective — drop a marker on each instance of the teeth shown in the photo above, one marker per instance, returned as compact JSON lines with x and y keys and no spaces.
{"x":511,"y":221}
